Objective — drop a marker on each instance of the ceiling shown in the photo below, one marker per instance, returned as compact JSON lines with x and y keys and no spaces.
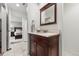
{"x":21,"y":8}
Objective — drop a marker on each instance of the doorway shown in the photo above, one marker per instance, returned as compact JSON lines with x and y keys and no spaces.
{"x":17,"y":26}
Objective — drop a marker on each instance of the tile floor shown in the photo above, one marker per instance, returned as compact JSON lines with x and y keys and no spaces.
{"x":18,"y":49}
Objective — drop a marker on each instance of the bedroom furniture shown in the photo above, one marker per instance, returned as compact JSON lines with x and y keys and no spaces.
{"x":18,"y":32}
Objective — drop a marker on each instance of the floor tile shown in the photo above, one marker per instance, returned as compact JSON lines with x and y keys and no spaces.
{"x":18,"y":49}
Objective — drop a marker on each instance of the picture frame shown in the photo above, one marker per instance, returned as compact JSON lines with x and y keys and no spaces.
{"x":48,"y":14}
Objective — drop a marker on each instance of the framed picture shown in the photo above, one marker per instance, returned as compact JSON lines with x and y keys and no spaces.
{"x":48,"y":14}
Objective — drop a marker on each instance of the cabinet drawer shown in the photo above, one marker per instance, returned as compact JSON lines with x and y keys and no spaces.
{"x":41,"y":41}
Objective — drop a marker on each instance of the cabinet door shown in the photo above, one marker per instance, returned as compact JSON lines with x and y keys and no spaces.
{"x":40,"y":50}
{"x":33,"y":48}
{"x":53,"y":50}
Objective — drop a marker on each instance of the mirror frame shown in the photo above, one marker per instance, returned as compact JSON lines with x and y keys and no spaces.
{"x":46,"y":7}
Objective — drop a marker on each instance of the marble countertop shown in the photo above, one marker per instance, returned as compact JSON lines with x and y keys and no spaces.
{"x":44,"y":34}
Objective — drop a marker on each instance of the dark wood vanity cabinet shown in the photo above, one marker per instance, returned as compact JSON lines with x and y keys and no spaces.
{"x":44,"y":46}
{"x":54,"y":45}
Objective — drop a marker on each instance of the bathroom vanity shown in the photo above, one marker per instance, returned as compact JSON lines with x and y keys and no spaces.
{"x":44,"y":44}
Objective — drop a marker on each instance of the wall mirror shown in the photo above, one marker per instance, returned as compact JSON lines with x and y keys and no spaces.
{"x":48,"y":14}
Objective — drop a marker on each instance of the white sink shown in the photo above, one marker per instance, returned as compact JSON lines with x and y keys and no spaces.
{"x":44,"y":34}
